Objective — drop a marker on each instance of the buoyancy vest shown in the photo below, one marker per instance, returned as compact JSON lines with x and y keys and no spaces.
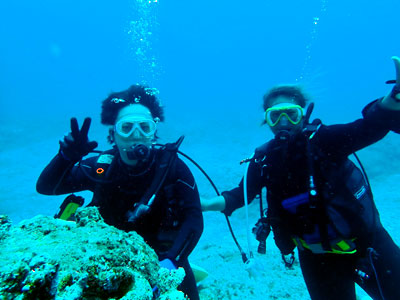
{"x":164,"y":183}
{"x":331,"y":216}
{"x":164,"y":167}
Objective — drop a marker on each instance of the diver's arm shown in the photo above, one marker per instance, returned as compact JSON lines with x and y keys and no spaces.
{"x":384,"y":113}
{"x":53,"y":174}
{"x":379,"y":117}
{"x":192,"y":225}
{"x":392,"y":102}
{"x":62,"y":176}
{"x":213,"y":204}
{"x":234,"y":198}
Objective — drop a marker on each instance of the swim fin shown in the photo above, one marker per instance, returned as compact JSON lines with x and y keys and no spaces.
{"x":199,"y":273}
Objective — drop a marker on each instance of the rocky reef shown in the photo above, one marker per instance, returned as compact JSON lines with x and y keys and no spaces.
{"x":46,"y":258}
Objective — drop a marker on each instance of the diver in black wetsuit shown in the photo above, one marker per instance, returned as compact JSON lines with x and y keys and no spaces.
{"x":135,"y":185}
{"x":318,"y":200}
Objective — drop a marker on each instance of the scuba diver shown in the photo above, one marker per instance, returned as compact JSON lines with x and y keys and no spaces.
{"x":318,"y":199}
{"x":137,"y":185}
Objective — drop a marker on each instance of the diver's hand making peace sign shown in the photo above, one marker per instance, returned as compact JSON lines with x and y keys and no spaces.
{"x":76,"y":144}
{"x":392,"y":101}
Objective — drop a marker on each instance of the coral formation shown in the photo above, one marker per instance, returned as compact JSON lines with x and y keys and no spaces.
{"x":46,"y":258}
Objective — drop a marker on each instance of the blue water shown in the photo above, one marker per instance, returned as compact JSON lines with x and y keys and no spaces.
{"x":211,"y":61}
{"x":63,"y":56}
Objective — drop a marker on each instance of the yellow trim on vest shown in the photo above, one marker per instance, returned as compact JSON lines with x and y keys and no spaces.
{"x":340,"y":247}
{"x":343,"y":245}
{"x":69,"y":211}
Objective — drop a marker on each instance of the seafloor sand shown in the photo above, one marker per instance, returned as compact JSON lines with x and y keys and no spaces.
{"x":21,"y":161}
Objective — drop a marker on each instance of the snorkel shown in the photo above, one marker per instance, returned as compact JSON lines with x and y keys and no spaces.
{"x":309,"y":111}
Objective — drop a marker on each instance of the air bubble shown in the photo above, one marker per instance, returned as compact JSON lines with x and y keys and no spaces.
{"x":143,"y":35}
{"x":313,"y":37}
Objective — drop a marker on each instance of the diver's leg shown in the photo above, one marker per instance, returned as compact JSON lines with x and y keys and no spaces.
{"x":385,"y":261}
{"x":328,"y":276}
{"x":188,"y":285}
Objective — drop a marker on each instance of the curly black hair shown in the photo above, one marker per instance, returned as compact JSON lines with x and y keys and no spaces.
{"x":135,"y":94}
{"x":290,"y":91}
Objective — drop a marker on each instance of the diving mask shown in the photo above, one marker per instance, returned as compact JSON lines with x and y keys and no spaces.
{"x":127,"y":125}
{"x":292,"y":112}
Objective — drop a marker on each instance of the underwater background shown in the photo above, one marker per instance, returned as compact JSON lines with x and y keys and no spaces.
{"x":211,"y":62}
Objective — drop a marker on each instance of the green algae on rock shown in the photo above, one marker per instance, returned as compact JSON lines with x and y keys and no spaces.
{"x":46,"y":258}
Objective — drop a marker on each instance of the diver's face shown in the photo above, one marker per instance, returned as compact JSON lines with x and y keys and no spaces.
{"x":134,"y":125}
{"x":287,"y":121}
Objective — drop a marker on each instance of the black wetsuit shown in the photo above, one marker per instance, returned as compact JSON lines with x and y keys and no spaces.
{"x":175,"y":222}
{"x":285,"y":170}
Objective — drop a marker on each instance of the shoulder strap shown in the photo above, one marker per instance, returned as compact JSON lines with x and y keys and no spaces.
{"x":103,"y":164}
{"x":311,"y":128}
{"x":100,"y":168}
{"x":314,"y":199}
{"x":261,"y":152}
{"x":168,"y":158}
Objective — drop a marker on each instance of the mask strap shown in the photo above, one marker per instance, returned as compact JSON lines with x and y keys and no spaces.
{"x":110,"y":137}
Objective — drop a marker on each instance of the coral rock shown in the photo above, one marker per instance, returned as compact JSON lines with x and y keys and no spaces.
{"x":46,"y":258}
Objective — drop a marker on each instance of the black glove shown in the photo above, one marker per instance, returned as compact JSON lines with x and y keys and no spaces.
{"x":76,"y":144}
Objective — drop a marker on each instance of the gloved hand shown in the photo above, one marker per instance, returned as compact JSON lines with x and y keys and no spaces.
{"x":396,"y":60}
{"x":392,"y":101}
{"x":76,"y":144}
{"x":168,"y":264}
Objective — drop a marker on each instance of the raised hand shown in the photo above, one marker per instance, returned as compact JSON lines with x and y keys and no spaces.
{"x":76,"y":144}
{"x":396,"y":60}
{"x":392,"y":100}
